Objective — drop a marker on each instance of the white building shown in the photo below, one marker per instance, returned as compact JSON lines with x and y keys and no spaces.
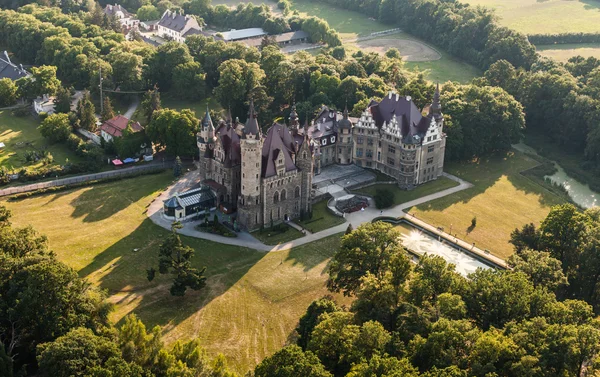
{"x":126,"y":19}
{"x":177,"y":27}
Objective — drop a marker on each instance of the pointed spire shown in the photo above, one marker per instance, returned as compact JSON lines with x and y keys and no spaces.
{"x":251,"y":127}
{"x":294,"y":123}
{"x":207,"y":121}
{"x":436,"y":106}
{"x":345,"y":122}
{"x":346,"y":110}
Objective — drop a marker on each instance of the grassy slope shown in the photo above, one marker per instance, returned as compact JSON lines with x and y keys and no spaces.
{"x":322,"y":218}
{"x":502,"y":200}
{"x":563,"y":52}
{"x":15,"y":129}
{"x":550,"y":16}
{"x":269,"y":237}
{"x":403,"y":196}
{"x":252,"y":301}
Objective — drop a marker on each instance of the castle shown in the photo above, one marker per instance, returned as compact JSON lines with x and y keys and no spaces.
{"x":268,"y":177}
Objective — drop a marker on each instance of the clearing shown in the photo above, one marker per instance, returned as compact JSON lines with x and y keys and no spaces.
{"x":20,"y":134}
{"x":546,"y":16}
{"x":252,"y":301}
{"x":564,"y":52}
{"x":502,"y":199}
{"x":411,"y":50}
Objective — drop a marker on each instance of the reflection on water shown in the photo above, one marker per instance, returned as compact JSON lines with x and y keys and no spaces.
{"x":421,"y":243}
{"x":580,"y":193}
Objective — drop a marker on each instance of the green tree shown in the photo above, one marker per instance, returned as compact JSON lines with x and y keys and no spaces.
{"x":310,"y":319}
{"x":56,"y":128}
{"x":174,"y":130}
{"x":107,"y":110}
{"x":150,"y":103}
{"x":86,"y":113}
{"x":177,"y":168}
{"x":433,"y":276}
{"x":175,"y":258}
{"x":384,"y":198}
{"x":82,"y":353}
{"x":237,"y":80}
{"x":541,"y":269}
{"x":62,"y":103}
{"x":291,"y":361}
{"x":188,"y":81}
{"x":369,"y":248}
{"x":8,"y":92}
{"x":147,"y":13}
{"x":42,"y":81}
{"x":158,"y":68}
{"x":383,"y":366}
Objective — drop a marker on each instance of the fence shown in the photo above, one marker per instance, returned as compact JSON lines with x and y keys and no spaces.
{"x":81,"y":178}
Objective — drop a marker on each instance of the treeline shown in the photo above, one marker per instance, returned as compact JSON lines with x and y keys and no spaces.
{"x":428,"y":320}
{"x":563,"y":38}
{"x":470,"y":33}
{"x":54,"y":323}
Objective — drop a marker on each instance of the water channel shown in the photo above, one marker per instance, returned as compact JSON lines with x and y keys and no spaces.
{"x":579,"y":192}
{"x":421,"y":243}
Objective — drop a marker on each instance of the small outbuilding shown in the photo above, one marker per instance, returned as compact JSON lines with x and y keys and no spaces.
{"x":185,"y":205}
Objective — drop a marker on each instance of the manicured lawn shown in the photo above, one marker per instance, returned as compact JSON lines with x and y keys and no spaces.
{"x":502,"y":199}
{"x":564,"y":52}
{"x":252,"y":301}
{"x":322,"y":218}
{"x":448,"y":68}
{"x":20,"y":134}
{"x":403,"y":196}
{"x":549,"y":16}
{"x":271,"y":237}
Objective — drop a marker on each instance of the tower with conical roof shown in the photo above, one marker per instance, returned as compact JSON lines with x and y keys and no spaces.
{"x":249,"y":204}
{"x":205,"y":140}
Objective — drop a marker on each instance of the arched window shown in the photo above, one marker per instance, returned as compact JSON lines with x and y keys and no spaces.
{"x":283,"y":194}
{"x":276,"y":197}
{"x":304,"y":155}
{"x":297,"y":192}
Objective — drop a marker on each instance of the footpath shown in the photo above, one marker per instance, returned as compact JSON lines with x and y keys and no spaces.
{"x":245,"y":239}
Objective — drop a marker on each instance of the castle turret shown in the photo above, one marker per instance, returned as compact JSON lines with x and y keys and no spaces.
{"x":205,"y":141}
{"x":294,"y":122}
{"x":436,"y":106}
{"x":249,"y":204}
{"x":305,"y":162}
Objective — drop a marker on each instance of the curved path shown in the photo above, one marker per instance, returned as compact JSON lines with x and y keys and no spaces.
{"x":246,"y":240}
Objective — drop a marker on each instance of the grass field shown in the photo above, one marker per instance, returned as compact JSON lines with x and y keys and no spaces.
{"x":322,"y":218}
{"x":403,"y":196}
{"x":20,"y":134}
{"x":269,"y":237}
{"x":252,"y":301}
{"x":546,"y":16}
{"x":502,"y":199}
{"x":563,"y":52}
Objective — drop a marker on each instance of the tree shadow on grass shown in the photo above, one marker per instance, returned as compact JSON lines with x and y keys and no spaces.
{"x":313,"y":254}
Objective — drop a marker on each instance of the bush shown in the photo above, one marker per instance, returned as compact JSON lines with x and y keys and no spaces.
{"x":384,"y":198}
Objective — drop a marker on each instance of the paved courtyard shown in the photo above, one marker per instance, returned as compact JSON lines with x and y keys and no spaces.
{"x":335,"y":179}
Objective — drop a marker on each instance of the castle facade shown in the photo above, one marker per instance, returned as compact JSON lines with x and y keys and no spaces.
{"x":268,"y":177}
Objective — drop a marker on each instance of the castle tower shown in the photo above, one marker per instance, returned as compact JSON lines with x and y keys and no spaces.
{"x":205,"y":142}
{"x":294,"y":122}
{"x":250,"y":214}
{"x":344,"y":140}
{"x":305,"y":162}
{"x":436,"y":107}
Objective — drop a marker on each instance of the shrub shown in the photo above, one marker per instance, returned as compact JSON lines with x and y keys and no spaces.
{"x":384,"y":198}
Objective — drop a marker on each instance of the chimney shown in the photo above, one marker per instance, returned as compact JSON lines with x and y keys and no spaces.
{"x":7,"y":58}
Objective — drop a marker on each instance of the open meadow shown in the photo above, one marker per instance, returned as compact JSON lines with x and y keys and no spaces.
{"x":252,"y":300}
{"x":546,"y":16}
{"x":20,"y":134}
{"x":564,"y":52}
{"x":502,"y":199}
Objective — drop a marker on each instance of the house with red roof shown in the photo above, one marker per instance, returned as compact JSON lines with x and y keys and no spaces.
{"x":113,"y":128}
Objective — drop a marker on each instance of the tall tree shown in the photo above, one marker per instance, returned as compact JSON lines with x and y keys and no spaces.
{"x":56,"y":128}
{"x":151,"y":103}
{"x":86,"y":113}
{"x":107,"y":110}
{"x":8,"y":92}
{"x":62,"y":104}
{"x":174,"y":130}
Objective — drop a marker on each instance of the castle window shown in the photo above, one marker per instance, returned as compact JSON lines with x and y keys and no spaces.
{"x":430,"y":160}
{"x":257,"y":199}
{"x":297,"y":192}
{"x":257,"y":176}
{"x":359,"y":139}
{"x":359,"y":152}
{"x":256,"y":188}
{"x":390,"y":160}
{"x":257,"y":164}
{"x":369,"y":141}
{"x":430,"y":148}
{"x":276,"y":197}
{"x":391,"y":149}
{"x":369,"y":153}
{"x":303,"y":154}
{"x":283,"y":194}
{"x":244,"y":175}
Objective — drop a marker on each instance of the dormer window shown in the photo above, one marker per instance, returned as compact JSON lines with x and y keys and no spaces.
{"x":324,"y":141}
{"x":333,"y":139}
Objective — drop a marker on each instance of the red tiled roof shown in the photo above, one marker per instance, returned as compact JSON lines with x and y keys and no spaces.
{"x":118,"y":124}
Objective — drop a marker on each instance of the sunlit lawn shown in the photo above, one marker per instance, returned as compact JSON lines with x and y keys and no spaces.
{"x":502,"y":199}
{"x":273,"y":237}
{"x":403,"y":196}
{"x":564,"y":52}
{"x":321,"y":219}
{"x":20,"y":134}
{"x":252,"y":301}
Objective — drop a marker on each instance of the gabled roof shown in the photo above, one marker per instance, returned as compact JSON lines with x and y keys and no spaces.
{"x":325,"y":124}
{"x":111,"y":10}
{"x":230,"y":141}
{"x":234,"y":35}
{"x":180,"y":23}
{"x":403,"y":111}
{"x":279,"y":38}
{"x":9,"y":70}
{"x":118,"y":124}
{"x":278,"y":143}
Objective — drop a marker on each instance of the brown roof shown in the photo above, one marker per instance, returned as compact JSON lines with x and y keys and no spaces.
{"x":407,"y":114}
{"x":118,"y":124}
{"x":278,"y":143}
{"x":230,"y":141}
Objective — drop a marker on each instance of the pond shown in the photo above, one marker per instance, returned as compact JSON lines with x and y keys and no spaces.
{"x":421,"y":243}
{"x":579,"y":192}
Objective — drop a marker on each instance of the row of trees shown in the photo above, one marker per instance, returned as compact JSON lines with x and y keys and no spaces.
{"x":428,"y":320}
{"x":54,"y":323}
